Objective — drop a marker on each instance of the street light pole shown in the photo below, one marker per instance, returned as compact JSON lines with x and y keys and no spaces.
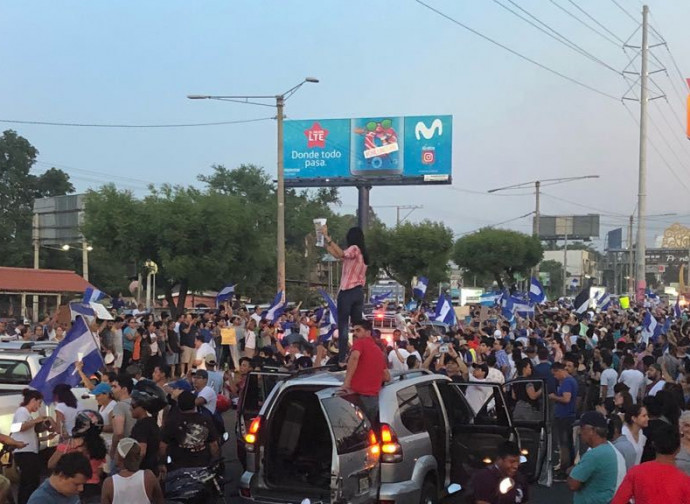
{"x":280,"y":185}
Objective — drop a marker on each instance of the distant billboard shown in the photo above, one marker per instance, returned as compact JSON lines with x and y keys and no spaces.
{"x":574,"y":227}
{"x":60,"y":219}
{"x":614,"y":239}
{"x":381,"y":150}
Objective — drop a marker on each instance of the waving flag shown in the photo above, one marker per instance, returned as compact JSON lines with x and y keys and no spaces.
{"x":444,"y":311}
{"x":536,"y":291}
{"x":490,"y":298}
{"x":378,"y":299}
{"x":581,"y":302}
{"x":677,"y":312}
{"x":522,"y":307}
{"x":89,"y":310}
{"x":604,"y":302}
{"x":666,"y":326}
{"x":419,"y":290}
{"x":59,"y":367}
{"x":92,"y":295}
{"x":225,"y":293}
{"x":329,"y":322}
{"x":276,"y":309}
{"x":649,"y":326}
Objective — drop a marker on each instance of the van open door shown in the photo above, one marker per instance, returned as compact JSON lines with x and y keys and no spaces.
{"x":528,"y":406}
{"x":479,"y":421}
{"x":355,"y":464}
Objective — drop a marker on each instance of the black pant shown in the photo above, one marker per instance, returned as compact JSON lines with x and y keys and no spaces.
{"x":29,"y":464}
{"x":564,"y":436}
{"x":350,"y":306}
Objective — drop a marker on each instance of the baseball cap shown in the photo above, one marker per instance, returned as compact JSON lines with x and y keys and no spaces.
{"x":125,"y":445}
{"x":181,"y":384}
{"x":101,"y":388}
{"x":210,"y":359}
{"x":109,"y":358}
{"x":593,"y":418}
{"x":201,"y":373}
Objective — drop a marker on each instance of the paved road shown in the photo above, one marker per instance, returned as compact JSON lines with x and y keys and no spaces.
{"x":233,"y":469}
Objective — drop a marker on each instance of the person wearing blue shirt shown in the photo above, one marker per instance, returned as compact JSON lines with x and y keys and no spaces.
{"x":565,"y":399}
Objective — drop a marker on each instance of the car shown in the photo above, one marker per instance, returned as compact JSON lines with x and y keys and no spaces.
{"x":431,"y":435}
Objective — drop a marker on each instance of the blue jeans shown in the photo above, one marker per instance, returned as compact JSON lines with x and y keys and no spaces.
{"x":350,"y":306}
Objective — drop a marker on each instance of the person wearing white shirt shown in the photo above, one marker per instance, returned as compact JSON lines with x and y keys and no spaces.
{"x":202,"y":350}
{"x":256,"y":316}
{"x":636,"y":419}
{"x":657,"y":382}
{"x":608,"y":380}
{"x":633,"y":378}
{"x":478,"y":395}
{"x":397,"y":359}
{"x":205,"y":395}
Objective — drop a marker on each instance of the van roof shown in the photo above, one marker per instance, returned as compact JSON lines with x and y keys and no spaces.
{"x":327,"y":378}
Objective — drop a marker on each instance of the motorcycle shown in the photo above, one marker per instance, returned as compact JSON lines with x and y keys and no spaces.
{"x":195,"y":485}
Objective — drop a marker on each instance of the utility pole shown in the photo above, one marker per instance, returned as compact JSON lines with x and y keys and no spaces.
{"x":642,"y":184}
{"x":631,"y":276}
{"x":537,"y":185}
{"x":280,"y":103}
{"x":565,"y":265}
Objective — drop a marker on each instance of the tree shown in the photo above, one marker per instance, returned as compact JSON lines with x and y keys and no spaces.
{"x":555,"y":271}
{"x":18,"y":190}
{"x":498,"y":252}
{"x":410,"y":250}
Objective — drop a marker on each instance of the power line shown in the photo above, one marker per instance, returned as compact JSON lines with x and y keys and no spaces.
{"x":597,"y":22}
{"x":585,"y":24}
{"x":512,"y":51}
{"x":497,"y":224}
{"x":92,"y":125}
{"x":588,"y":207}
{"x":555,"y":34}
{"x":625,"y":11}
{"x":94,"y":172}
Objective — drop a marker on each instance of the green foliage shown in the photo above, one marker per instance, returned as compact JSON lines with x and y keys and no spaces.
{"x":498,"y":252}
{"x":410,"y":250}
{"x":555,"y":270}
{"x":18,"y":189}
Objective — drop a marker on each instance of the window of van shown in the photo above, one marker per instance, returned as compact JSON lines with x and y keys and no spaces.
{"x":14,"y":372}
{"x":410,"y":407}
{"x":349,"y":423}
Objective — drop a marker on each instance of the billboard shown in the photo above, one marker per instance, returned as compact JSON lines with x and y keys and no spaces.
{"x":383,"y":150}
{"x":575,"y":227}
{"x":59,"y":219}
{"x":614,"y":239}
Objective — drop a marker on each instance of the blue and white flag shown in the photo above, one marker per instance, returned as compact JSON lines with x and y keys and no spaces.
{"x":522,"y":307}
{"x":666,"y":326}
{"x":329,"y":322}
{"x":649,"y":325}
{"x":380,"y":298}
{"x":604,"y":302}
{"x":490,"y":298}
{"x":225,"y":293}
{"x":59,"y":367}
{"x":419,"y":290}
{"x":276,"y":309}
{"x":444,"y":311}
{"x":537,"y":294}
{"x":677,"y":312}
{"x":92,"y":295}
{"x":89,"y":310}
{"x":653,"y":297}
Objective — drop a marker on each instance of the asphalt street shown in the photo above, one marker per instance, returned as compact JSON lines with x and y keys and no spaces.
{"x":557,"y":494}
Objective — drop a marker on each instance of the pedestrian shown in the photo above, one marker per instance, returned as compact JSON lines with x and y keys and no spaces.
{"x":601,"y":469}
{"x":633,"y":378}
{"x":65,"y":483}
{"x":147,"y":400}
{"x":488,"y":483}
{"x":350,"y":300}
{"x":122,"y":420}
{"x":620,"y":442}
{"x":366,"y":369}
{"x":565,"y":398}
{"x":131,"y":485}
{"x":636,"y":419}
{"x":202,"y":349}
{"x":658,"y":481}
{"x":65,"y":409}
{"x":525,"y":394}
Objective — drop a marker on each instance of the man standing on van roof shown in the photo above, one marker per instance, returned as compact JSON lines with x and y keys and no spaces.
{"x":366,"y":368}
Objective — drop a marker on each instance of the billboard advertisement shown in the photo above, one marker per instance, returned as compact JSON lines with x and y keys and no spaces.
{"x":370,"y":151}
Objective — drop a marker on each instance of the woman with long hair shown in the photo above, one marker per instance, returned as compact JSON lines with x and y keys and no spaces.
{"x":65,"y":409}
{"x":26,"y":429}
{"x":86,"y":439}
{"x":525,"y":394}
{"x":636,"y":419}
{"x":350,"y":302}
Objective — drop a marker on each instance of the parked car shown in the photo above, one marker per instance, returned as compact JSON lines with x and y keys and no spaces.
{"x":307,"y":441}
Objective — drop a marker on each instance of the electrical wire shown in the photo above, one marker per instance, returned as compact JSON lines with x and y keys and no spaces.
{"x":94,"y":172}
{"x":625,"y":11}
{"x":497,"y":224}
{"x":585,"y":24}
{"x":555,"y":34}
{"x":92,"y":125}
{"x":516,"y":53}
{"x":588,"y":207}
{"x":597,"y":22}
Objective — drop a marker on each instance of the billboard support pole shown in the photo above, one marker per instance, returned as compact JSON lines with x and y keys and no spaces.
{"x":363,"y":207}
{"x":280,"y":189}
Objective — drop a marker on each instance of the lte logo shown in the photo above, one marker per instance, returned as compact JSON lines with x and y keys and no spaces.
{"x":316,"y":136}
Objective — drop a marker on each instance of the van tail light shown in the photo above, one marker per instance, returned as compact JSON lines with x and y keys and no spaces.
{"x":391,"y":451}
{"x":252,"y":434}
{"x":374,"y":447}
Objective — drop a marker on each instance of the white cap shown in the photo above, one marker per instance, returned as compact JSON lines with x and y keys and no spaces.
{"x":125,"y":445}
{"x":498,"y":333}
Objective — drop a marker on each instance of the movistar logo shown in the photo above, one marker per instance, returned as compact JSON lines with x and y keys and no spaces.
{"x":421,"y":129}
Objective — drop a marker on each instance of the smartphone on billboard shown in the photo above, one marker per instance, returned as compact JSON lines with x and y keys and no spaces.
{"x":376,"y":145}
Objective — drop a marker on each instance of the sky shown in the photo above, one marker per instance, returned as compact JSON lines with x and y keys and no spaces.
{"x":126,"y":62}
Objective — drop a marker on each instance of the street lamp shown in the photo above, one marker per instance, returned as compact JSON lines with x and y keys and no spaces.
{"x":280,"y":190}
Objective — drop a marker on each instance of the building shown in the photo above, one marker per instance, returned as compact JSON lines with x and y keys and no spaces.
{"x":27,"y":293}
{"x":580,"y":265}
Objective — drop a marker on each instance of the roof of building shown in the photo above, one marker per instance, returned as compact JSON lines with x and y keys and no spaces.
{"x":41,"y":280}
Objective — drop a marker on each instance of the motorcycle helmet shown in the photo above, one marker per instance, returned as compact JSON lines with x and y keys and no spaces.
{"x":85,"y":421}
{"x":149,"y":396}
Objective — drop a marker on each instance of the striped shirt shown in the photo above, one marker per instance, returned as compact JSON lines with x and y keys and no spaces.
{"x":354,"y":269}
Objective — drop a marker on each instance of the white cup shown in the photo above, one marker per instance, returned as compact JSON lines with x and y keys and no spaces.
{"x":318,"y":224}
